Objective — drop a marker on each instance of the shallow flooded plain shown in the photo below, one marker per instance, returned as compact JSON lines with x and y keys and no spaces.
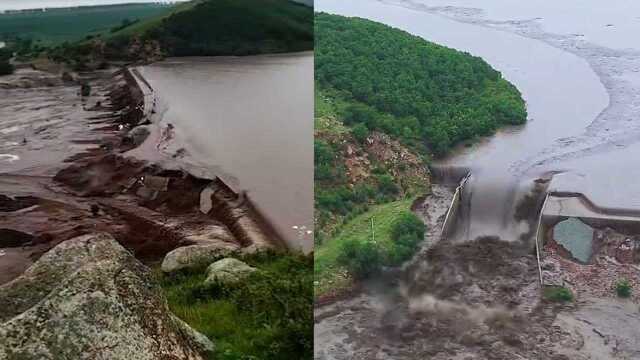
{"x":247,"y":120}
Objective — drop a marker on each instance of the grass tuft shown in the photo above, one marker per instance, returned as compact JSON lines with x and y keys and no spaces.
{"x":558,"y":294}
{"x":623,"y":288}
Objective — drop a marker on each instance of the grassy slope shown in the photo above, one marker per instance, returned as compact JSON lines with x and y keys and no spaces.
{"x":152,"y":22}
{"x":58,"y":25}
{"x":330,"y":130}
{"x":330,"y":275}
{"x":267,"y":316}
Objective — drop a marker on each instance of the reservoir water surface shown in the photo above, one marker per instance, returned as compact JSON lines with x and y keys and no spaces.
{"x":248,"y":120}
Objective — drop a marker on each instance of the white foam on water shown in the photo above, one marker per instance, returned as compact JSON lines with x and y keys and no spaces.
{"x":9,"y":157}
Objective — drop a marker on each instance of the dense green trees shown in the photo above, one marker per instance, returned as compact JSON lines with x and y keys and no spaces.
{"x":407,"y":232}
{"x":237,"y":27}
{"x":199,"y":28}
{"x":410,"y":88}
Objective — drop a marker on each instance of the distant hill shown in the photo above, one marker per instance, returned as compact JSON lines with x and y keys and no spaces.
{"x":306,"y":2}
{"x":200,"y":28}
{"x":228,"y":27}
{"x":55,"y":26}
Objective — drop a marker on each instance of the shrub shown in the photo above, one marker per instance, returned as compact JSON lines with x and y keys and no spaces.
{"x":361,"y":258}
{"x":558,"y":294}
{"x":363,"y":192}
{"x":386,"y":185}
{"x":360,"y":114}
{"x":623,"y":288}
{"x":325,"y":167}
{"x":6,"y":68}
{"x":407,"y":232}
{"x":360,"y":132}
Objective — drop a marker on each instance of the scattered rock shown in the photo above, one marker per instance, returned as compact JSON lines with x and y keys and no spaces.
{"x":196,"y":255}
{"x":256,"y":248}
{"x":205,"y":199}
{"x":158,"y":183}
{"x":202,"y":341}
{"x":228,"y":271}
{"x":137,"y":135}
{"x":208,"y":234}
{"x":88,"y":298}
{"x":85,"y":90}
{"x":68,"y":77}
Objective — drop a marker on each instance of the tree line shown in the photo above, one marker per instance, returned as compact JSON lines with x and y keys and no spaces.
{"x":423,"y":93}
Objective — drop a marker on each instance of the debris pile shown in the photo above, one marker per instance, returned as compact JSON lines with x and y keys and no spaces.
{"x":616,"y":257}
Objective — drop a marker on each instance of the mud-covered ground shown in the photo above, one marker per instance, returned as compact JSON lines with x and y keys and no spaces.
{"x":45,"y":121}
{"x":64,"y":172}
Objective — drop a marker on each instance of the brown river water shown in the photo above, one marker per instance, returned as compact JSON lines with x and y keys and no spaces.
{"x":248,"y":120}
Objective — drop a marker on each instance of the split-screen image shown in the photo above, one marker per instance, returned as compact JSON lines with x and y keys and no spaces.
{"x":327,"y":180}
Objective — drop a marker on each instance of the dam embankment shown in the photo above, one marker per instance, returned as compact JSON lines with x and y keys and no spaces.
{"x":148,"y":208}
{"x":245,"y":120}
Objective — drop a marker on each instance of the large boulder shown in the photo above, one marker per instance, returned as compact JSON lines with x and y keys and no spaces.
{"x":228,"y":271}
{"x":89,"y":298}
{"x":193,"y":256}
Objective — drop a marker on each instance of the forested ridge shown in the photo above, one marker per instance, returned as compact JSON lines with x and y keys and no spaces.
{"x":425,"y":94}
{"x":196,"y":28}
{"x":236,"y":27}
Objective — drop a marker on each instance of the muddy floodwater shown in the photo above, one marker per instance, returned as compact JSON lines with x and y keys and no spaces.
{"x":247,"y":120}
{"x":577,"y":64}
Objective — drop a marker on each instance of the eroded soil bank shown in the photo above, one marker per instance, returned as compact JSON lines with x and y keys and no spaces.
{"x":65,"y":173}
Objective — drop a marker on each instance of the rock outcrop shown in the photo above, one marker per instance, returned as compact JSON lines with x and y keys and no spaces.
{"x":89,"y":298}
{"x":228,"y":271}
{"x":196,"y":255}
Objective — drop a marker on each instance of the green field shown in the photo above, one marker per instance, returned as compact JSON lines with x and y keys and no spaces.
{"x":71,"y":24}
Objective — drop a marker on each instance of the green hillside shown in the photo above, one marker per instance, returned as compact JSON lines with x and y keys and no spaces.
{"x":403,"y":85}
{"x":230,"y":27}
{"x":199,"y":28}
